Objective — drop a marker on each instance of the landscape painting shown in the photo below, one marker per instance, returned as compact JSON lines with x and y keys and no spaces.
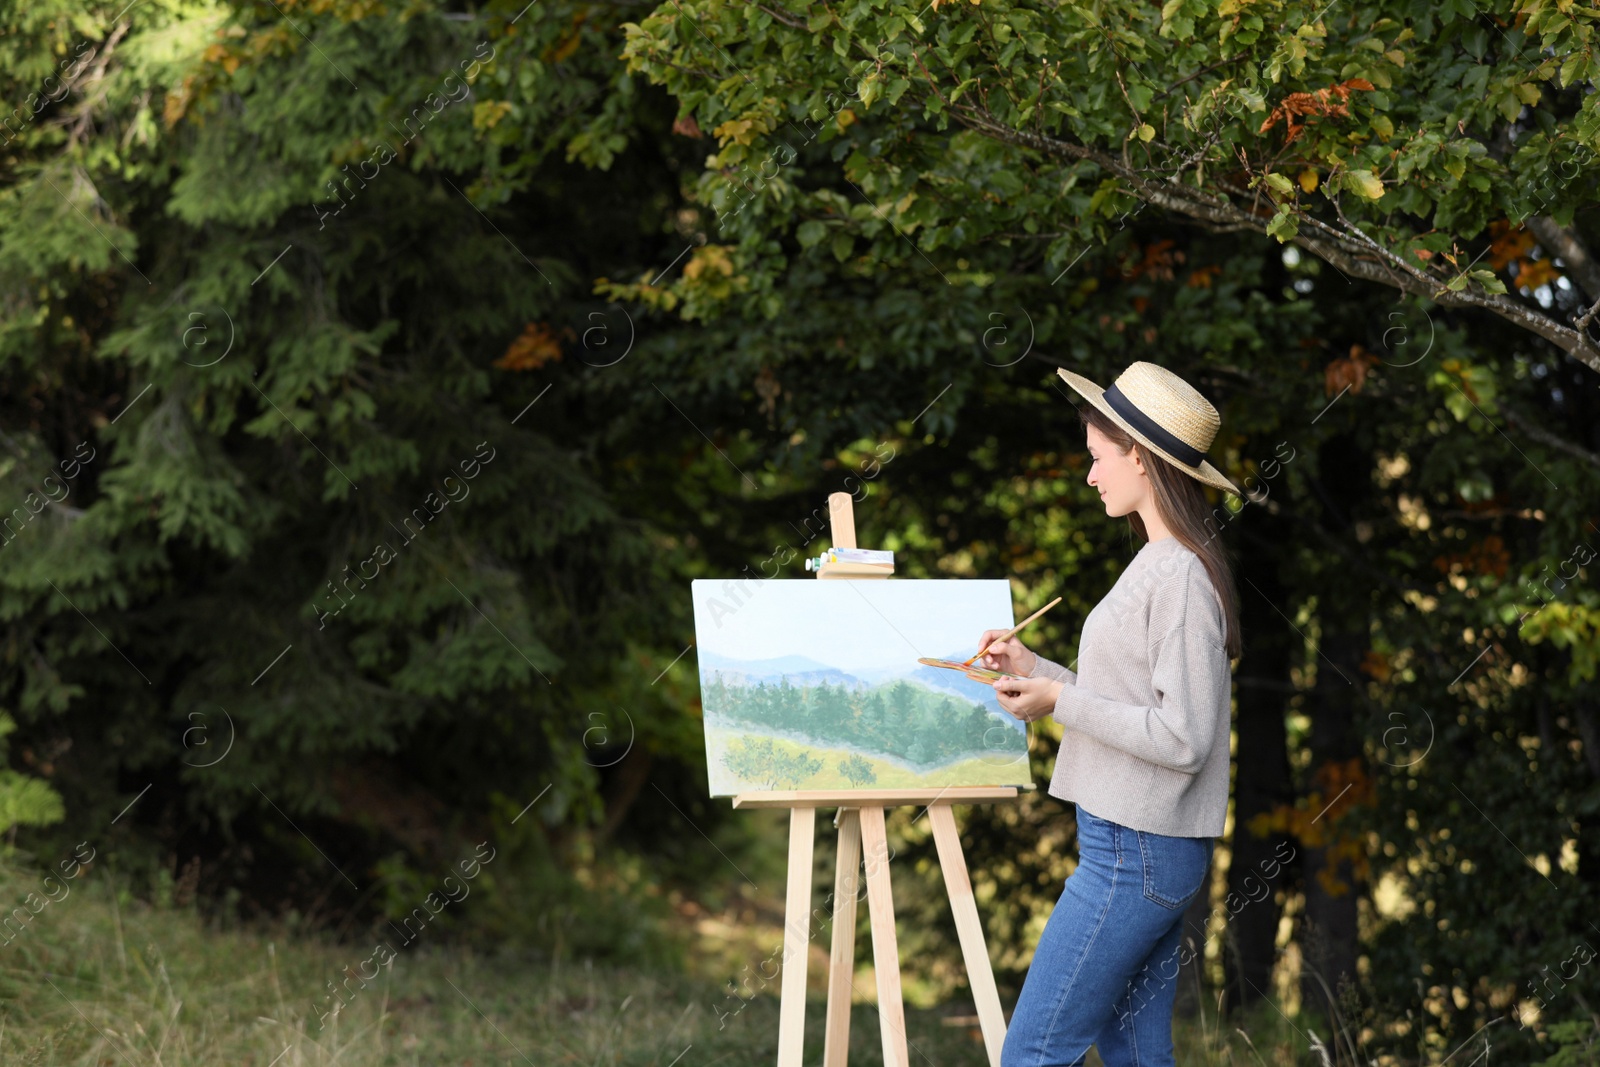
{"x":809,"y":684}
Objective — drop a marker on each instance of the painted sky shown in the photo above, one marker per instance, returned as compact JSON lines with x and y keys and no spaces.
{"x":850,"y":625}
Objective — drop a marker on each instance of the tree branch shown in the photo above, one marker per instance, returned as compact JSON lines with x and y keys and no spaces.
{"x":1545,"y":437}
{"x":1355,"y":258}
{"x":1564,"y":243}
{"x":784,"y":16}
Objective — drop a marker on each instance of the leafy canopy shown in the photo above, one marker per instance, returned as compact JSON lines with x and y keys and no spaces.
{"x":1383,"y":137}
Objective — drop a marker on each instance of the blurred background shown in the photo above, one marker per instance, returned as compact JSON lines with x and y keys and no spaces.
{"x":375,"y":377}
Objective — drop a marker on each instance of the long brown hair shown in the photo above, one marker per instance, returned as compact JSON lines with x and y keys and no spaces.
{"x":1183,"y":508}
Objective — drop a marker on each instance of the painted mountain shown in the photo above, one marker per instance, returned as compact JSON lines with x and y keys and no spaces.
{"x":809,"y":684}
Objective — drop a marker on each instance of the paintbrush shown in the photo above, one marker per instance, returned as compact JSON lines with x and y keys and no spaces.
{"x":1011,"y":632}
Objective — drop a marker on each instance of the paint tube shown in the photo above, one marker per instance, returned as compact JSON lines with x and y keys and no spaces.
{"x":858,"y":555}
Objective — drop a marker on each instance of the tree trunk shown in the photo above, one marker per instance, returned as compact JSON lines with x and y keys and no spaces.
{"x":1262,"y":779}
{"x":626,"y":783}
{"x":1328,"y":937}
{"x":1588,"y":835}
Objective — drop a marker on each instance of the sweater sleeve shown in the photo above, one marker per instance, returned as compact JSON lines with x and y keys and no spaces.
{"x":1044,"y":668}
{"x":1186,"y":660}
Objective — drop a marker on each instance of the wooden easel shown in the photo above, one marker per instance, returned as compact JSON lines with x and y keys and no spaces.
{"x":861,"y":826}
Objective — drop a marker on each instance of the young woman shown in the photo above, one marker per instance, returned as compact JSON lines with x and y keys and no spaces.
{"x":1144,"y":753}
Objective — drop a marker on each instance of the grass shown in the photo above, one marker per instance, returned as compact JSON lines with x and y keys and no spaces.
{"x":101,"y":979}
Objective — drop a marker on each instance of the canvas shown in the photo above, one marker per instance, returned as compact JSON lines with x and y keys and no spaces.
{"x":810,"y":684}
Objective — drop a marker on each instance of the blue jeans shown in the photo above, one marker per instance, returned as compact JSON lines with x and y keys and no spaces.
{"x":1105,"y":972}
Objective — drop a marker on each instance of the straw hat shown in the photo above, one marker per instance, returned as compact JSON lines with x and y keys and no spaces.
{"x":1163,"y":413}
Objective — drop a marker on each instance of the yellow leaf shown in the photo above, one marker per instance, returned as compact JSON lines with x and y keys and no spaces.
{"x":846,"y":117}
{"x":1364,"y":182}
{"x":735,"y":130}
{"x":221,"y":54}
{"x":1308,"y":180}
{"x":486,"y":113}
{"x":1147,"y":132}
{"x":710,"y":258}
{"x":177,"y":103}
{"x":1395,"y":56}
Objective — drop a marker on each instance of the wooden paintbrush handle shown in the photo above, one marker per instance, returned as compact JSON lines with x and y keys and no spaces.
{"x":1009,"y":634}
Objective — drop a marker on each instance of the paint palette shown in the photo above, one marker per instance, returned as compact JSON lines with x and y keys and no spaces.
{"x":976,"y":673}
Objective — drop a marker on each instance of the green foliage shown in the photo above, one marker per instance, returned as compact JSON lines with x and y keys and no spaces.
{"x":587,"y":906}
{"x":757,"y":759}
{"x":267,"y":393}
{"x":1575,"y":1044}
{"x":27,"y":801}
{"x":1011,"y":121}
{"x":24,"y":800}
{"x":857,"y":771}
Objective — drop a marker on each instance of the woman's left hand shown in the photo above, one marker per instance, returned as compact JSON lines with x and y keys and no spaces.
{"x":1028,"y":698}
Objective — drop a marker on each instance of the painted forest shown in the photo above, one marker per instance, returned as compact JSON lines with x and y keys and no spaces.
{"x":912,"y":723}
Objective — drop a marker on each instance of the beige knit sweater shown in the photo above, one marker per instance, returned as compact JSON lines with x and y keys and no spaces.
{"x":1147,"y":712}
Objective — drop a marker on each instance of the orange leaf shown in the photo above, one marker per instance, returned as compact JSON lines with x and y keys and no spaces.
{"x":1510,"y":244}
{"x":1312,"y":104}
{"x":1349,"y":372}
{"x":564,"y":48}
{"x":1376,"y":665}
{"x":536,"y":346}
{"x":1532,"y":273}
{"x":1158,"y":261}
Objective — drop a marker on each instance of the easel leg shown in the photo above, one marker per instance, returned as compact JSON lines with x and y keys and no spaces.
{"x":796,"y":938}
{"x":980,"y":976}
{"x":885,"y":950}
{"x":842,"y":961}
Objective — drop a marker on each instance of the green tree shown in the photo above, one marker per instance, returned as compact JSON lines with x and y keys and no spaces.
{"x":857,"y":771}
{"x":794,"y":768}
{"x":1384,"y":140}
{"x":252,"y":346}
{"x":755,"y":760}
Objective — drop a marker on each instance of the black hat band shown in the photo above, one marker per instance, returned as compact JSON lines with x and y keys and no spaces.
{"x":1159,"y":437}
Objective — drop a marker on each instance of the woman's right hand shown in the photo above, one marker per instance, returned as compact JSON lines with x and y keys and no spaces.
{"x":1010,"y":656}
